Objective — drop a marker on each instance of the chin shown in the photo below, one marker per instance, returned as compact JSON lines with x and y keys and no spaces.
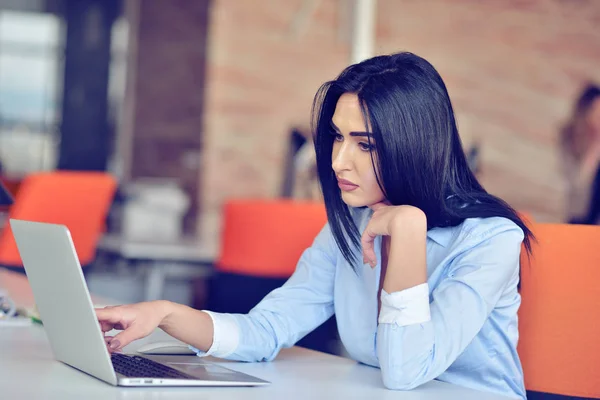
{"x":352,"y":200}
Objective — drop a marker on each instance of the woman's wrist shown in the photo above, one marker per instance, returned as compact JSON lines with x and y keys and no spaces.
{"x":407,"y":265}
{"x":165,"y":309}
{"x":189,"y":325}
{"x":408,"y":219}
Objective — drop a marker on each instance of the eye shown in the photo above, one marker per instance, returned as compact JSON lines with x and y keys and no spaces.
{"x":336,"y":136}
{"x":364,"y":146}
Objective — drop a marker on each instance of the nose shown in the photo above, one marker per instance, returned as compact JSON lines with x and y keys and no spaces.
{"x":341,"y":158}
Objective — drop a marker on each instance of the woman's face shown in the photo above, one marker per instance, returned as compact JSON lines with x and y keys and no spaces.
{"x":351,"y":155}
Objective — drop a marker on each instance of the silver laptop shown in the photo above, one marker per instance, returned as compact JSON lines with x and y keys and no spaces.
{"x":66,"y":309}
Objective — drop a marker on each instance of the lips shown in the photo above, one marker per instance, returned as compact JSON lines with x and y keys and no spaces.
{"x":346,"y":185}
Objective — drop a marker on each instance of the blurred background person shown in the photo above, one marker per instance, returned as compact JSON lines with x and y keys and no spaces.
{"x":580,"y":141}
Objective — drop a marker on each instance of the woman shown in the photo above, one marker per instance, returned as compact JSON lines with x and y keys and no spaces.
{"x":418,"y":262}
{"x":580,"y":140}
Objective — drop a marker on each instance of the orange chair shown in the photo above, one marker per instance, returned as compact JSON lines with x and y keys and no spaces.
{"x":559,"y":343}
{"x":79,"y":200}
{"x":266,"y":237}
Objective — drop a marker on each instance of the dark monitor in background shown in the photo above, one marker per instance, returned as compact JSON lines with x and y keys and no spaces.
{"x":297,"y":140}
{"x":6,"y":198}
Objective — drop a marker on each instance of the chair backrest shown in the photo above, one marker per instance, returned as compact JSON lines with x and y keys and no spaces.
{"x":79,"y":200}
{"x":267,"y":237}
{"x":559,"y":342}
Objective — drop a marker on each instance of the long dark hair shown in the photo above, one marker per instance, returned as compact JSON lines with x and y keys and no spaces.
{"x":420,"y":159}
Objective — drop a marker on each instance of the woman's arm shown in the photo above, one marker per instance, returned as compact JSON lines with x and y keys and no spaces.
{"x":282,"y":318}
{"x":417,"y":341}
{"x":139,"y":320}
{"x":288,"y":313}
{"x":407,"y":252}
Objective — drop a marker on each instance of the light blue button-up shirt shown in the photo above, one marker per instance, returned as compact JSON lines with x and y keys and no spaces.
{"x":470,"y":338}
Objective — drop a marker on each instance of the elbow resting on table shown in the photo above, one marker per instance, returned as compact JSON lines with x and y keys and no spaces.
{"x":408,"y":375}
{"x":402,"y":380}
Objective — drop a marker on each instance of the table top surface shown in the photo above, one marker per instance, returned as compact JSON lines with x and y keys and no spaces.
{"x":30,"y":371}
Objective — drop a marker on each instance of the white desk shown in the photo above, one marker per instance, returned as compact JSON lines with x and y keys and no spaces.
{"x":183,"y":258}
{"x":28,"y":371}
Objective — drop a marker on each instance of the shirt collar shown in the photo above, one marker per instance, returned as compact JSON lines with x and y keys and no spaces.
{"x":440,"y":236}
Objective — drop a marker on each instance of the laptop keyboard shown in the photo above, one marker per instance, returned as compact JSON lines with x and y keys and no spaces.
{"x":140,"y":367}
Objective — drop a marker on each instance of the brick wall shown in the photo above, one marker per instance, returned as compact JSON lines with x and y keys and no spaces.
{"x":266,"y":62}
{"x":512,"y":69}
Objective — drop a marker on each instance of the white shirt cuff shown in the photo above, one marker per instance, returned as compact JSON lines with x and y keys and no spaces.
{"x":226,"y":336}
{"x":406,"y":307}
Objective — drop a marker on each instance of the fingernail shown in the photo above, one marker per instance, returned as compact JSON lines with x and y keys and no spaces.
{"x":114,"y":344}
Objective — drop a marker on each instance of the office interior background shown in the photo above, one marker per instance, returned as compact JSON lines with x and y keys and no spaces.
{"x":191,"y":104}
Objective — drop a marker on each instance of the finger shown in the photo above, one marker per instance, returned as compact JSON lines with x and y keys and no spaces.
{"x":108,"y":315}
{"x":125,"y":337}
{"x":367,"y":243}
{"x":108,"y":340}
{"x":113,"y":351}
{"x":106,"y":326}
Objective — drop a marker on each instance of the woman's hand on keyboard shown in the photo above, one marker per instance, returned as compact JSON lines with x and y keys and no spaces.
{"x":135,"y":321}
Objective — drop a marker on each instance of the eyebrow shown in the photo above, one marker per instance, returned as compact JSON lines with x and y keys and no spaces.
{"x":358,"y":134}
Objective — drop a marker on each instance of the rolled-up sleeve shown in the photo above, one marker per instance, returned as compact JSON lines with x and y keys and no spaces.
{"x":406,"y":307}
{"x":226,"y":336}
